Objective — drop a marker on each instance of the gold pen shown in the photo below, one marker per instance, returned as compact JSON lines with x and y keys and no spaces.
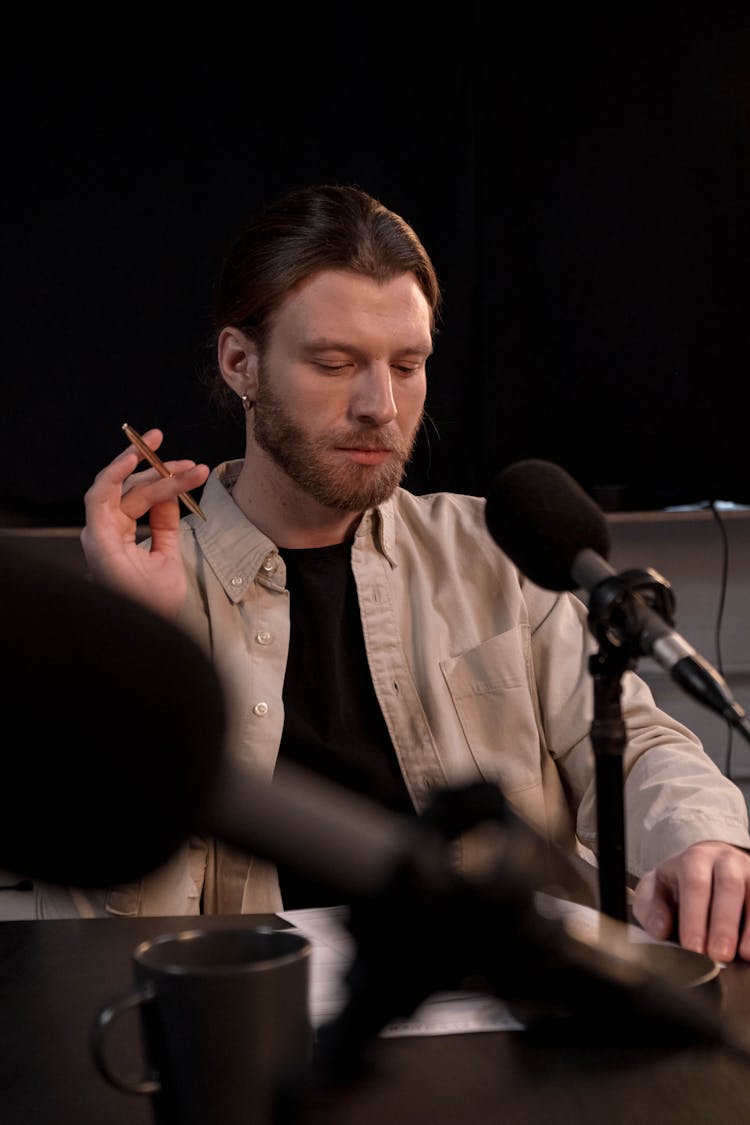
{"x":136,"y":440}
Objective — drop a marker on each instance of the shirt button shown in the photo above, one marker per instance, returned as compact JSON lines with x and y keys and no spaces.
{"x":237,"y":580}
{"x":263,"y":637}
{"x":260,"y":709}
{"x":269,"y":564}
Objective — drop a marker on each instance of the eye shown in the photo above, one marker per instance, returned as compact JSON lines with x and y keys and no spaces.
{"x":406,"y":368}
{"x":333,"y":368}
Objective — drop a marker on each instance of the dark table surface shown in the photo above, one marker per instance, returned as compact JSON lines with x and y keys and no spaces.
{"x":55,"y":975}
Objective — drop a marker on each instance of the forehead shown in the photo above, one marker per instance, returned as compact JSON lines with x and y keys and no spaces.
{"x":333,"y":302}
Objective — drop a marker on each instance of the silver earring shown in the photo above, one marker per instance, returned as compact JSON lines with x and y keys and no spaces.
{"x":246,"y":401}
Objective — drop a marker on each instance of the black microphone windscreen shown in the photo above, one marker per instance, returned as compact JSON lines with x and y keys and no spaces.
{"x":542,"y":518}
{"x":115,"y":723}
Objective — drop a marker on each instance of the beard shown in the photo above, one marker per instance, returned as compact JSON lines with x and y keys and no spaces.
{"x":304,"y":457}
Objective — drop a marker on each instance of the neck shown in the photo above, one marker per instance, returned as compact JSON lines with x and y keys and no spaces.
{"x":283,"y":511}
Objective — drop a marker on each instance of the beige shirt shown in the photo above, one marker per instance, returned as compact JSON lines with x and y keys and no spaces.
{"x":480,"y":675}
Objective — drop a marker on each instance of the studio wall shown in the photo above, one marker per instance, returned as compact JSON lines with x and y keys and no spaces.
{"x":580,"y":178}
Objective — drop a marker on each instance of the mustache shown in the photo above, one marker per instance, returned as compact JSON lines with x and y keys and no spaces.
{"x":366,"y":439}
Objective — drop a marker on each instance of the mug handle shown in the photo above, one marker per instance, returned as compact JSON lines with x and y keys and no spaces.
{"x":105,"y":1017}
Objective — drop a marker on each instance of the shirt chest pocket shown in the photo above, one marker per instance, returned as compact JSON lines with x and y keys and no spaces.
{"x":490,"y":689}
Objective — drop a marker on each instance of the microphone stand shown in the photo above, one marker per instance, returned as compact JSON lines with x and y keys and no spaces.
{"x":615,"y":622}
{"x":609,"y":739}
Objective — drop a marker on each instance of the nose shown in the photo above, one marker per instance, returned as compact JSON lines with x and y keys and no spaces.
{"x":373,"y":401}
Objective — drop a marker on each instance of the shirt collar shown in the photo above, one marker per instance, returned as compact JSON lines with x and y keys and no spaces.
{"x":236,"y":550}
{"x":380,"y":525}
{"x":232,"y":546}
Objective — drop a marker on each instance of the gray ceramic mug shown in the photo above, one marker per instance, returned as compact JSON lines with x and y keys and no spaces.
{"x":225,"y":1023}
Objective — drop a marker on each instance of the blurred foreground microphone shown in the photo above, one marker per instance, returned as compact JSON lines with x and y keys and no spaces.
{"x":119,"y":757}
{"x":558,"y":537}
{"x":117,"y":754}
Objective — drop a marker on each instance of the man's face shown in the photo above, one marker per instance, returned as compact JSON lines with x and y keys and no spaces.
{"x":341,"y":386}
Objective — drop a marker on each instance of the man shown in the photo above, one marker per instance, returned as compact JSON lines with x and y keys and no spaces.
{"x":375,"y":636}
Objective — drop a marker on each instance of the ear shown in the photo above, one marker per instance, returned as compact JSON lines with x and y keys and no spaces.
{"x":238,"y":362}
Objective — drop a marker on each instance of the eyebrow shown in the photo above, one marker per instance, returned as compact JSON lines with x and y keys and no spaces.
{"x":323,"y":343}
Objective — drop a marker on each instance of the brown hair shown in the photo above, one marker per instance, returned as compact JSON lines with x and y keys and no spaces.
{"x":311,"y":229}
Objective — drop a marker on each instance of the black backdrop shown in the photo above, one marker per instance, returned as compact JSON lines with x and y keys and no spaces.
{"x":580,"y":177}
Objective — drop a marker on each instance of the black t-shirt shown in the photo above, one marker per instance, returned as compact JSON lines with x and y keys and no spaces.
{"x":333,"y":723}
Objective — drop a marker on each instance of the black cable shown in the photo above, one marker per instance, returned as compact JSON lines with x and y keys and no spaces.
{"x":719,"y":620}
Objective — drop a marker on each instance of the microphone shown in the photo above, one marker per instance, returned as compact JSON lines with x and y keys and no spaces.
{"x":120,"y":755}
{"x":558,"y":537}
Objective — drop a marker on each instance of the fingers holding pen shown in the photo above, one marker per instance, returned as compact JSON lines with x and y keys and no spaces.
{"x":144,"y":490}
{"x":113,"y":476}
{"x":117,"y":501}
{"x":136,"y":493}
{"x":194,"y":474}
